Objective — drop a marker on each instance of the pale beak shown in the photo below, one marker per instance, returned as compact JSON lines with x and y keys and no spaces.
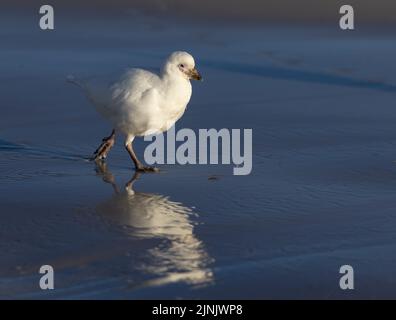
{"x":194,"y":74}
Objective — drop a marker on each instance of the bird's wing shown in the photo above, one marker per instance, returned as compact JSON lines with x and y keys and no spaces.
{"x":133,"y":86}
{"x":109,"y":96}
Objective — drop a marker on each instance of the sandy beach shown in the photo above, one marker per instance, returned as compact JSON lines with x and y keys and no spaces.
{"x":321,"y":104}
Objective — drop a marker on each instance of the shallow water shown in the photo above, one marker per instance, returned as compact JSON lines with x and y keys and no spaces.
{"x":321,"y":193}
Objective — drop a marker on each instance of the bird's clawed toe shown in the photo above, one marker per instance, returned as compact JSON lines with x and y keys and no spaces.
{"x":98,"y":158}
{"x":147,"y":169}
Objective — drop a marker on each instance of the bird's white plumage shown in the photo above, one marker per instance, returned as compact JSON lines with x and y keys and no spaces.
{"x":140,"y":102}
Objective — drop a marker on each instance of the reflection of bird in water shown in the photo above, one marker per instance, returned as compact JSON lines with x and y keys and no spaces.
{"x":181,"y":256}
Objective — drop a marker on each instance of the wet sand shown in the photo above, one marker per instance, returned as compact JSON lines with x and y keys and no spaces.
{"x":321,"y":104}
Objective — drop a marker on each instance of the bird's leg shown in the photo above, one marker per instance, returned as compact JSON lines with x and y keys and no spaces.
{"x":107,"y":176}
{"x":102,"y":151}
{"x":139,"y":167}
{"x":130,"y":183}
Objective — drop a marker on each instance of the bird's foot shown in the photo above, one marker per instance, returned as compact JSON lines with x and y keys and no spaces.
{"x":147,"y":169}
{"x":103,"y":149}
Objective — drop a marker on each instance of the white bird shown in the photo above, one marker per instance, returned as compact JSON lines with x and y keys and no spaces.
{"x":142,"y":103}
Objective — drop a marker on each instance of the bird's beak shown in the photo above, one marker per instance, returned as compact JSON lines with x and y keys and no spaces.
{"x":194,"y":74}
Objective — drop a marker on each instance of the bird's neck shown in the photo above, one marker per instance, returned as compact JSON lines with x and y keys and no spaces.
{"x":178,"y":87}
{"x":174,"y":79}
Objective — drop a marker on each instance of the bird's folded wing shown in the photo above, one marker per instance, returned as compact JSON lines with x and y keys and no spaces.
{"x":108,"y":94}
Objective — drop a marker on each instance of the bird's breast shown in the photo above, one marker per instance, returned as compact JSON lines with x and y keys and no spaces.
{"x":177,"y":96}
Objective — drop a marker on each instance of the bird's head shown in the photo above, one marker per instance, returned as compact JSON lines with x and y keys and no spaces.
{"x":183,"y":64}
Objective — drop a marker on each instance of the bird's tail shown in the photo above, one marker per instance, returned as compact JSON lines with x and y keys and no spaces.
{"x":72,"y":79}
